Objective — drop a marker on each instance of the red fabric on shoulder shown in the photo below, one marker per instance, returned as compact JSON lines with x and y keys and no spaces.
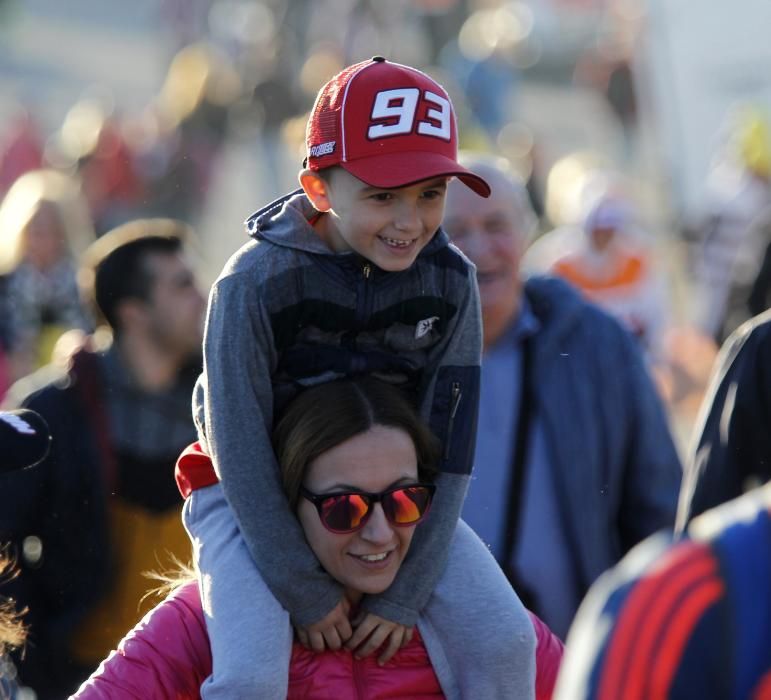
{"x":194,"y":470}
{"x":165,"y":657}
{"x":548,"y":657}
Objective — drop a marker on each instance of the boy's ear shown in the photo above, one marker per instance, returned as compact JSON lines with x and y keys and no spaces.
{"x":316,"y":189}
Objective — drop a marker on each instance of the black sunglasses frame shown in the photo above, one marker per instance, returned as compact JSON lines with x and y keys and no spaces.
{"x":317,"y":499}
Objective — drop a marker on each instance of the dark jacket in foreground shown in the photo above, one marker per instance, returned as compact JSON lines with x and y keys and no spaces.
{"x":734,"y":448}
{"x":683,"y":621}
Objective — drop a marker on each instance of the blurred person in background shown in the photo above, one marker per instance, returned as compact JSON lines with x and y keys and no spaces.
{"x":92,"y":144}
{"x":759,"y":297}
{"x":44,"y":227}
{"x":751,"y":296}
{"x":607,"y":66}
{"x":483,"y":59}
{"x":21,"y":148}
{"x":612,"y":264}
{"x":177,"y":140}
{"x":732,"y":449}
{"x":574,"y":461}
{"x":186,"y":19}
{"x":729,"y":250}
{"x":103,"y":507}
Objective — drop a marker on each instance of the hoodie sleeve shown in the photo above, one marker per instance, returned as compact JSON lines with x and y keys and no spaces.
{"x":451,"y":402}
{"x":166,"y":656}
{"x":239,"y":360}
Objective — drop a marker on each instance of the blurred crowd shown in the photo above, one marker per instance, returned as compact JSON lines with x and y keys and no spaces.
{"x":245,"y":73}
{"x":677,"y":283}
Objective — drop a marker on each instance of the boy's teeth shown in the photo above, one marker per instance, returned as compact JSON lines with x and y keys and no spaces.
{"x":374,"y":557}
{"x":396,"y":242}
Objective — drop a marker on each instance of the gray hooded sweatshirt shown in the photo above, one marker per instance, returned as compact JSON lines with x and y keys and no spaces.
{"x":287,"y":312}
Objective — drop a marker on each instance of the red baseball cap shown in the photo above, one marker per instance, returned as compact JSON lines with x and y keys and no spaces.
{"x":388,"y":125}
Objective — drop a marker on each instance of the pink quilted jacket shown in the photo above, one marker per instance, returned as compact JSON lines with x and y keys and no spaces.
{"x":167,"y":657}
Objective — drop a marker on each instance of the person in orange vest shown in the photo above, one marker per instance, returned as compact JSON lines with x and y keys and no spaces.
{"x":614,"y":268}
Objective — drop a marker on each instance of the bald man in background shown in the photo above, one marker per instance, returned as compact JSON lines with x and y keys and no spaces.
{"x":574,"y":459}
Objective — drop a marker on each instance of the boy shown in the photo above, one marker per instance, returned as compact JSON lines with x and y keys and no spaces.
{"x":351,"y":274}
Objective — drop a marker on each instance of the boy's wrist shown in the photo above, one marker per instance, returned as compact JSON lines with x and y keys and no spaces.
{"x":322,"y":606}
{"x":394,"y":612}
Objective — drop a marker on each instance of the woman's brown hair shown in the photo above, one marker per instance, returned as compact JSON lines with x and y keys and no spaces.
{"x":327,"y":415}
{"x":323,"y":417}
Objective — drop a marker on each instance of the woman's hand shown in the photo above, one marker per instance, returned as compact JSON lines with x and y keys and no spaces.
{"x":373,"y":632}
{"x":331,"y":632}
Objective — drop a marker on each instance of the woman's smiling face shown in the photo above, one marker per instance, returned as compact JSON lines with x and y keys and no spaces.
{"x":365,"y":561}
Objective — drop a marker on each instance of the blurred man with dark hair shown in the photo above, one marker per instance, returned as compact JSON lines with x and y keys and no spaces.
{"x":103,"y":507}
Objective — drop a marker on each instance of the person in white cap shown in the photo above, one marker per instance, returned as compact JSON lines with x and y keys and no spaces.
{"x":614,"y":266}
{"x":351,"y":274}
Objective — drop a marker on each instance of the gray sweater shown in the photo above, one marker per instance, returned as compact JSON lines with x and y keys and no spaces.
{"x":286,"y":312}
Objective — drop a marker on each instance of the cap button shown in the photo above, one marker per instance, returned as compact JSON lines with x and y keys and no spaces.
{"x":379,"y":59}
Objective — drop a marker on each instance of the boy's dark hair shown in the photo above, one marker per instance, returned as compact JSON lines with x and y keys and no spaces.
{"x":114,"y":267}
{"x":307,"y":428}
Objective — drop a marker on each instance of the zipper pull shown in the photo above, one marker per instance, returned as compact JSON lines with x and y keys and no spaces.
{"x":455,"y":396}
{"x":367,"y":269}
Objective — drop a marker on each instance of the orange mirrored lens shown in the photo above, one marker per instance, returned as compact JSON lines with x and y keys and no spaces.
{"x":345,"y":512}
{"x":407,"y":505}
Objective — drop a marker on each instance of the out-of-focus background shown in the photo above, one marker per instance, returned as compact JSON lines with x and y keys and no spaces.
{"x":641,"y":128}
{"x":195,"y":109}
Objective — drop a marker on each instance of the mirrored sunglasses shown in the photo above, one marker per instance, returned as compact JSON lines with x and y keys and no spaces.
{"x":347,"y":512}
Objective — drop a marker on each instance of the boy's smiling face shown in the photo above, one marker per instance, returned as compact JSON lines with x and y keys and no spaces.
{"x":389,"y":227}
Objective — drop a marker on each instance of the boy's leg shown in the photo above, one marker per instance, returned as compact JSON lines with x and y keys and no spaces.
{"x":249,"y":632}
{"x":477,"y":632}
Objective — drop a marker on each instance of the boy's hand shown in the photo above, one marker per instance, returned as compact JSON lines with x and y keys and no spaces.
{"x":331,"y":632}
{"x":373,"y":632}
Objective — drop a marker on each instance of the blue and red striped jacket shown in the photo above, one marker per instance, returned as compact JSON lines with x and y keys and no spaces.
{"x":685,"y":620}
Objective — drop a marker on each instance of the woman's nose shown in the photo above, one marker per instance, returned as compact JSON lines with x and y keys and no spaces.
{"x":377,"y":529}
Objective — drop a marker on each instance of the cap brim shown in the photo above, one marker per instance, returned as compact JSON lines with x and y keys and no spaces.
{"x":391,"y":170}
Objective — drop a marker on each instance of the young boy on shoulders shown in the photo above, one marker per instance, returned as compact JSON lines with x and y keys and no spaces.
{"x":350,"y":274}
